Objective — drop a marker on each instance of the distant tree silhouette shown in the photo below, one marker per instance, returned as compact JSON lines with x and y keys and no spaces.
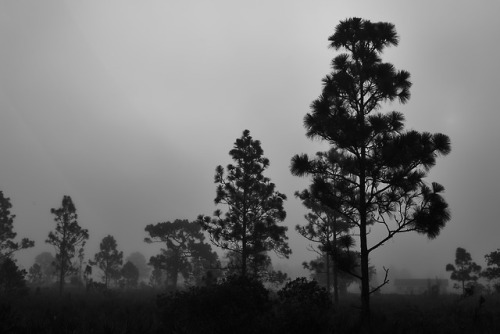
{"x":349,"y":269}
{"x":87,"y":273}
{"x":327,"y":225}
{"x":47,"y":263}
{"x":277,"y":278}
{"x":109,"y":259}
{"x":380,"y":163}
{"x":138,"y":259}
{"x":171,"y":265}
{"x":130,"y":275}
{"x":256,"y":264}
{"x":259,"y":267}
{"x":7,"y":244}
{"x":250,"y":226}
{"x":492,"y":272}
{"x":184,"y":241}
{"x":67,"y":236}
{"x":157,"y":277}
{"x":35,"y":274}
{"x":203,"y":269}
{"x":319,"y":272}
{"x":465,"y":270}
{"x":81,"y":265}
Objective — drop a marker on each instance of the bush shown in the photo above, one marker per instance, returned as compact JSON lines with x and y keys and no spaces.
{"x":237,"y":305}
{"x":304,"y":307}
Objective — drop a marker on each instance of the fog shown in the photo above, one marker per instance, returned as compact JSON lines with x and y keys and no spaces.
{"x":129,"y":106}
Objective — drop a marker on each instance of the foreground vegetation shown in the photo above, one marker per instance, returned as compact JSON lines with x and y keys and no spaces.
{"x":79,"y":312}
{"x":240,"y":305}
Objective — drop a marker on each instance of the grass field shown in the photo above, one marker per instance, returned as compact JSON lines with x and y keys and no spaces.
{"x":138,"y":312}
{"x":422,"y":314}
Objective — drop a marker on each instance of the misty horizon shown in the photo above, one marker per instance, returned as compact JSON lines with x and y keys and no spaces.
{"x":128,"y":109}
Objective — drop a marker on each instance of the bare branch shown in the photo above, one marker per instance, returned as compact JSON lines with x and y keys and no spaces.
{"x":386,"y":281}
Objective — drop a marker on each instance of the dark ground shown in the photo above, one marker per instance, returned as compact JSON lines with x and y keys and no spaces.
{"x":223,"y":310}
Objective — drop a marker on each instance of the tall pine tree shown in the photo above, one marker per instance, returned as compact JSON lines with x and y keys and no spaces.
{"x":383,"y":165}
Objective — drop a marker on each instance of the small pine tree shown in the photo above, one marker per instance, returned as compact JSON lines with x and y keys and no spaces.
{"x":108,"y":259}
{"x":67,"y":236}
{"x":465,"y":270}
{"x":35,"y":274}
{"x":250,"y":226}
{"x":130,"y":275}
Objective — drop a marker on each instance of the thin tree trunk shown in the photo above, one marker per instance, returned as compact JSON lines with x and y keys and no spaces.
{"x":175,"y":268}
{"x":335,"y":271}
{"x":175,"y":277}
{"x":327,"y":258}
{"x":327,"y":263}
{"x":63,"y":254}
{"x":244,"y":251}
{"x":244,"y":254}
{"x":61,"y":274}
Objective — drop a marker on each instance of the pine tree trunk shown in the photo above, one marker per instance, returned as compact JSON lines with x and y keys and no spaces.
{"x":244,"y":254}
{"x":175,"y":269}
{"x":327,"y":260}
{"x":61,"y":275}
{"x":335,"y":272}
{"x":175,"y":276}
{"x":365,"y":279}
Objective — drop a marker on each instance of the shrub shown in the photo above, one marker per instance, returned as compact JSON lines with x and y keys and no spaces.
{"x":304,"y":307}
{"x":236,"y":305}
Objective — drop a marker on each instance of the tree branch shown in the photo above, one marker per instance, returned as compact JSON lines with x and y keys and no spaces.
{"x":386,"y":281}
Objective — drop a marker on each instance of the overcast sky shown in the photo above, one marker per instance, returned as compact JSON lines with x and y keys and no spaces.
{"x":128,"y":107}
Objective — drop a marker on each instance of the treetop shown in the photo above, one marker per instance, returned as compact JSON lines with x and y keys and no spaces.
{"x":356,"y":34}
